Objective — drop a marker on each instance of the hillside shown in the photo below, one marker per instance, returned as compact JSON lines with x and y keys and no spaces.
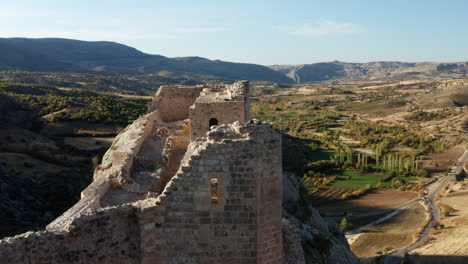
{"x":53,"y":54}
{"x":104,"y":57}
{"x":381,"y":70}
{"x":50,"y":139}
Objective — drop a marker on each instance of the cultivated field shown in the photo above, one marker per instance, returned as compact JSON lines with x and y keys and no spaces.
{"x":329,"y":194}
{"x":441,"y":162}
{"x":381,"y":199}
{"x":393,"y":234}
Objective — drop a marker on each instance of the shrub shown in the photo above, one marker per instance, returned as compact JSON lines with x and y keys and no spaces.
{"x":437,"y":225}
{"x":95,"y":162}
{"x":446,"y":209}
{"x":387,"y":249}
{"x":379,"y":185}
{"x":396,"y":183}
{"x":345,"y":225}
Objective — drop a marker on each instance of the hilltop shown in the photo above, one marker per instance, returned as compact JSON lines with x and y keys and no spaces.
{"x":110,"y":58}
{"x":67,"y":55}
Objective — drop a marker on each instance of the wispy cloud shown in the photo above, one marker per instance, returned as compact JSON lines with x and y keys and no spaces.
{"x":199,"y":29}
{"x":321,"y":28}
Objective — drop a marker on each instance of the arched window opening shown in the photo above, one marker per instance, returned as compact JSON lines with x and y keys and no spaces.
{"x":212,"y":122}
{"x":214,"y":190}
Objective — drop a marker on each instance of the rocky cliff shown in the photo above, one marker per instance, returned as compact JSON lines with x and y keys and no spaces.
{"x":321,"y":241}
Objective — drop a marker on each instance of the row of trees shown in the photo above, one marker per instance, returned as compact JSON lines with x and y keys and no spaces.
{"x":383,"y":138}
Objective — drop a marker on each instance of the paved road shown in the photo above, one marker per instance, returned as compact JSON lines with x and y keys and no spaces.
{"x":396,"y":256}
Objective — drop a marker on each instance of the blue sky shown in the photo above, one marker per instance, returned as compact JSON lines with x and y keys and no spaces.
{"x":255,"y":31}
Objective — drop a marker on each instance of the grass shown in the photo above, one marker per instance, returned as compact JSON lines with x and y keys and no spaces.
{"x":357,"y":180}
{"x":408,"y":179}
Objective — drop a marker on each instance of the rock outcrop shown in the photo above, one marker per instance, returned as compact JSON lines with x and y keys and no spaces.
{"x":306,"y":235}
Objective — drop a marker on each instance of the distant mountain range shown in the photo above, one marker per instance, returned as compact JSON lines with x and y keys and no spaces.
{"x":380,"y":70}
{"x":67,"y":55}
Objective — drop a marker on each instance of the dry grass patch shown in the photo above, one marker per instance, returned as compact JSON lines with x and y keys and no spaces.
{"x":369,"y":245}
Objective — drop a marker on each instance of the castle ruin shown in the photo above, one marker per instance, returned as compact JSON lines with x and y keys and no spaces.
{"x":192,"y":181}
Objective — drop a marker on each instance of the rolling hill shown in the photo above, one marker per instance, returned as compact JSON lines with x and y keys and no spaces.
{"x":66,"y":55}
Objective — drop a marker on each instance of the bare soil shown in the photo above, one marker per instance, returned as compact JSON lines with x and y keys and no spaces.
{"x":378,"y":200}
{"x":441,"y":162}
{"x":452,"y":153}
{"x":393,"y":234}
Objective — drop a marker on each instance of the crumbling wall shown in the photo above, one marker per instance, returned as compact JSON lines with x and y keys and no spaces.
{"x":174,"y":151}
{"x":115,"y":168}
{"x":118,"y":160}
{"x":234,"y":221}
{"x":240,"y":91}
{"x":109,"y":236}
{"x":173,"y":102}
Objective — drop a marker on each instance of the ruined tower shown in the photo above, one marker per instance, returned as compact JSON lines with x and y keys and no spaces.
{"x":192,"y":181}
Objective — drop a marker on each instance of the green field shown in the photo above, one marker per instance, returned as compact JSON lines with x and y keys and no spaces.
{"x":357,"y":181}
{"x":360,"y":181}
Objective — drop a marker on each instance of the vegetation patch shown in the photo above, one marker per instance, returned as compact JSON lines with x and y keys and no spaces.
{"x":88,"y":106}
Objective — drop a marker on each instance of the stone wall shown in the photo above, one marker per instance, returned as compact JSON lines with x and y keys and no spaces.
{"x":173,"y":102}
{"x":115,"y":167}
{"x":238,"y":221}
{"x":223,"y":112}
{"x":223,"y":205}
{"x":220,"y":199}
{"x":240,"y":91}
{"x":109,"y":236}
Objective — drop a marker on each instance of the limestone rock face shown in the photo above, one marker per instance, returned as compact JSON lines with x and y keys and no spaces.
{"x":307,"y":237}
